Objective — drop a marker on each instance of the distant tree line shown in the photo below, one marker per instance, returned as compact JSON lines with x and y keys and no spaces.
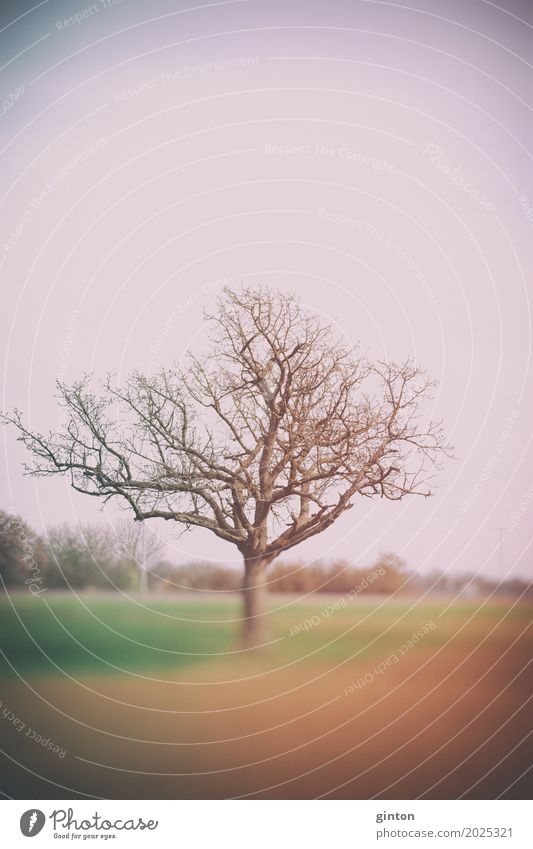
{"x":126,"y":557}
{"x":88,"y":556}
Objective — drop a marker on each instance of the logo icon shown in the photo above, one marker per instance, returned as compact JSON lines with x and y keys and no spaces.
{"x":32,"y":822}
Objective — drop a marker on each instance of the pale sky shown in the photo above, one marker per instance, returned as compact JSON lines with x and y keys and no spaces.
{"x":373,"y":157}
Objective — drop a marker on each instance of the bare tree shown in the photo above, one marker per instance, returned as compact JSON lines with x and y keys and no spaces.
{"x":141,"y":547}
{"x":265,"y":440}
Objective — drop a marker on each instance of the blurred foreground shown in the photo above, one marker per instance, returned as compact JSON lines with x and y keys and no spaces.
{"x":151,"y":697}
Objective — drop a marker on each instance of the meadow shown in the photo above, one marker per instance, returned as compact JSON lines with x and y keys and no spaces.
{"x":152,"y":696}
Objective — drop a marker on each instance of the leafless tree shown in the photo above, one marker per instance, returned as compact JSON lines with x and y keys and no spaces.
{"x":141,"y":547}
{"x":265,"y":440}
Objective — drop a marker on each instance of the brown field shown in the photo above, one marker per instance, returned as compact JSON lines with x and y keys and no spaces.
{"x":451,"y":719}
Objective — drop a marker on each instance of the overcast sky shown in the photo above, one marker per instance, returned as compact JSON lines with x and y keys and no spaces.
{"x":372,"y":157}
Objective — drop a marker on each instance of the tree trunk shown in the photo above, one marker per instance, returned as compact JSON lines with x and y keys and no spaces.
{"x":253,"y":591}
{"x":143,"y":578}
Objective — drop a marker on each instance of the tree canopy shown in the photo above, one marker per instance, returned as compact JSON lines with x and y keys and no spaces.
{"x":265,"y":439}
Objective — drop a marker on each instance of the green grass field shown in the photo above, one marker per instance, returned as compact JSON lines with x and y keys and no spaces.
{"x":153,"y":698}
{"x":116,"y":635}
